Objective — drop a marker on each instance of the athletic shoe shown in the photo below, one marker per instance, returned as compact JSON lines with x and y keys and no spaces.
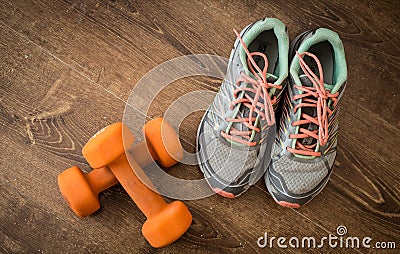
{"x":234,"y":134}
{"x":305,"y":149}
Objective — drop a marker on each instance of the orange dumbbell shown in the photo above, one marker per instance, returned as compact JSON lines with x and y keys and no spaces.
{"x":105,"y":151}
{"x":81,"y":190}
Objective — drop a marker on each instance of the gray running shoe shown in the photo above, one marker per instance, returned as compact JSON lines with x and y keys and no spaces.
{"x":305,"y":149}
{"x":236,"y":134}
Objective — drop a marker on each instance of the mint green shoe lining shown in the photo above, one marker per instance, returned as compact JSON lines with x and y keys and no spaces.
{"x":340,"y":68}
{"x":281,"y":70}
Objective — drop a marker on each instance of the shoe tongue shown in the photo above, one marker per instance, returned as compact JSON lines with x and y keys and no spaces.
{"x":311,"y":111}
{"x":305,"y":81}
{"x":245,"y":111}
{"x":271,"y":78}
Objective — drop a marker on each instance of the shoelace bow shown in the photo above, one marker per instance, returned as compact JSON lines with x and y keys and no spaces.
{"x":260,"y":88}
{"x":321,"y":96}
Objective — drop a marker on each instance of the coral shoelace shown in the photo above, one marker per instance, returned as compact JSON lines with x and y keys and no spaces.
{"x":320,"y":100}
{"x":260,"y":88}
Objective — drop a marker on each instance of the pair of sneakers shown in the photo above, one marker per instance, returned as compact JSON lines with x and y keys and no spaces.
{"x":265,"y":122}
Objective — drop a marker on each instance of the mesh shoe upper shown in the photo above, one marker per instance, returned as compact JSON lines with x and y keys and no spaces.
{"x":228,"y":162}
{"x":295,"y":176}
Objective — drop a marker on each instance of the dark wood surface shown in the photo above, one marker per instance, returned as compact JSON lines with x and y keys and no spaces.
{"x":67,"y":69}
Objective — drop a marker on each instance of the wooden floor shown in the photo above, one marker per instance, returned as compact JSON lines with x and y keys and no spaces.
{"x":67,"y":68}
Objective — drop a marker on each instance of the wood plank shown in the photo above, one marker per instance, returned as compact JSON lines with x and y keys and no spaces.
{"x":87,"y":18}
{"x":52,"y":142}
{"x":369,"y":46}
{"x":372,"y":196}
{"x":108,"y":68}
{"x":349,"y":113}
{"x":43,"y":136}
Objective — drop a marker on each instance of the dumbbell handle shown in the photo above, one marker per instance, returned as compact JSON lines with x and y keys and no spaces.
{"x":100,"y":179}
{"x":148,"y":201}
{"x":142,"y":154}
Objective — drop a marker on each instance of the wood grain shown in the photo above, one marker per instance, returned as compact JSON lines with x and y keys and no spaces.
{"x":53,"y":141}
{"x":68,"y":68}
